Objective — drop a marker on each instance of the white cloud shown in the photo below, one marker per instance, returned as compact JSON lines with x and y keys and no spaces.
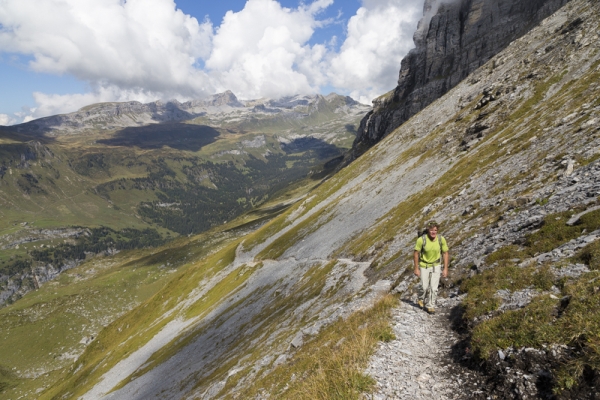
{"x":6,"y":120}
{"x":147,"y":49}
{"x":262,"y":51}
{"x":142,"y":45}
{"x":379,"y":35}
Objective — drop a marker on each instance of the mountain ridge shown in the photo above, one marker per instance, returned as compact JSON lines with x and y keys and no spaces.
{"x":118,"y":115}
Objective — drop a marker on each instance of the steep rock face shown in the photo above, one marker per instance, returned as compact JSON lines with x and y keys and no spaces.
{"x":452,"y":40}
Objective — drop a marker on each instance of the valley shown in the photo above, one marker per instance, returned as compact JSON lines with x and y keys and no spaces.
{"x":158,"y":181}
{"x":303,"y":287}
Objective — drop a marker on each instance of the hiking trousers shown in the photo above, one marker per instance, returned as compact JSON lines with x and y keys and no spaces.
{"x":430,"y":279}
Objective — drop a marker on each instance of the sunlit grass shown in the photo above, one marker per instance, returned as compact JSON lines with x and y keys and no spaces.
{"x":332,"y":365}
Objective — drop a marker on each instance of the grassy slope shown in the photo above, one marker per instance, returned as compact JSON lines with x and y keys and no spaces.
{"x":66,"y":175}
{"x":41,"y":333}
{"x":61,"y":196}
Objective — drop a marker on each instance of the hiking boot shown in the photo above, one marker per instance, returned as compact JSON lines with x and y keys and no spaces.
{"x":421,"y":304}
{"x":431,"y":310}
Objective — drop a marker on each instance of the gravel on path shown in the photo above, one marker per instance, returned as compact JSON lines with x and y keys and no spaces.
{"x":421,"y":362}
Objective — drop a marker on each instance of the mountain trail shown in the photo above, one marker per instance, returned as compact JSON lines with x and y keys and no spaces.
{"x":420,"y":362}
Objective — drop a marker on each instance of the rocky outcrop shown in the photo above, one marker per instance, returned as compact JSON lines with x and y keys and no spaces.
{"x":131,"y":113}
{"x":453,"y":39}
{"x":216,"y":110}
{"x":14,"y":287}
{"x":226,"y":98}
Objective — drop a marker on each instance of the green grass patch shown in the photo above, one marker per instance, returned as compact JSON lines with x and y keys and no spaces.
{"x":510,"y":252}
{"x":521,"y":328}
{"x":7,"y":379}
{"x":555,"y":231}
{"x":547,"y":321}
{"x":268,"y":230}
{"x":539,"y":93}
{"x":482,"y":288}
{"x":589,"y":255}
{"x":221,"y":290}
{"x":332,"y":365}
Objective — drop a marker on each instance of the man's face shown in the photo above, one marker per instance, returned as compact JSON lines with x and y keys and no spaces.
{"x":432,"y":232}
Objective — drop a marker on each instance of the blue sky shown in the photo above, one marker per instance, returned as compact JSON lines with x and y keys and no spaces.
{"x":57,"y":56}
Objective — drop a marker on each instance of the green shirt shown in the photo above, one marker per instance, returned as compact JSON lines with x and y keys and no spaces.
{"x":431,"y":256}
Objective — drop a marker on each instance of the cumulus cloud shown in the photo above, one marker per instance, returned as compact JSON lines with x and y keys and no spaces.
{"x":262,"y":50}
{"x":379,"y":35}
{"x":145,"y":44}
{"x":148,"y":49}
{"x":140,"y":46}
{"x":6,"y":120}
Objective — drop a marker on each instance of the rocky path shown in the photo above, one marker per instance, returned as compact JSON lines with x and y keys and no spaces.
{"x":419,"y":364}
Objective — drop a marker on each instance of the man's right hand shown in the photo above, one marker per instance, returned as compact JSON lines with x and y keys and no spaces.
{"x":416,"y":264}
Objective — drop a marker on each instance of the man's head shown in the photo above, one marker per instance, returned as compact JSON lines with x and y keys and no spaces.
{"x":432,"y":229}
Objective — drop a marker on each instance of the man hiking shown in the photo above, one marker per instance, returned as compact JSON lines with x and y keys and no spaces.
{"x":431,"y":250}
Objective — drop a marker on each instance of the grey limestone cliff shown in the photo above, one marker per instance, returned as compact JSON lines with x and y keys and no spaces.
{"x":453,"y":39}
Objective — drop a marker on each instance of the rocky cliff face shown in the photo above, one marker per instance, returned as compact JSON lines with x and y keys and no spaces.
{"x":453,"y":39}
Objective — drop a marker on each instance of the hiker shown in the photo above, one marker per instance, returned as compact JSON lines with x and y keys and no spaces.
{"x":431,"y":251}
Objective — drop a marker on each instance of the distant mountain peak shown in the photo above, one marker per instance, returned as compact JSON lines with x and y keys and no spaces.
{"x":118,"y":115}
